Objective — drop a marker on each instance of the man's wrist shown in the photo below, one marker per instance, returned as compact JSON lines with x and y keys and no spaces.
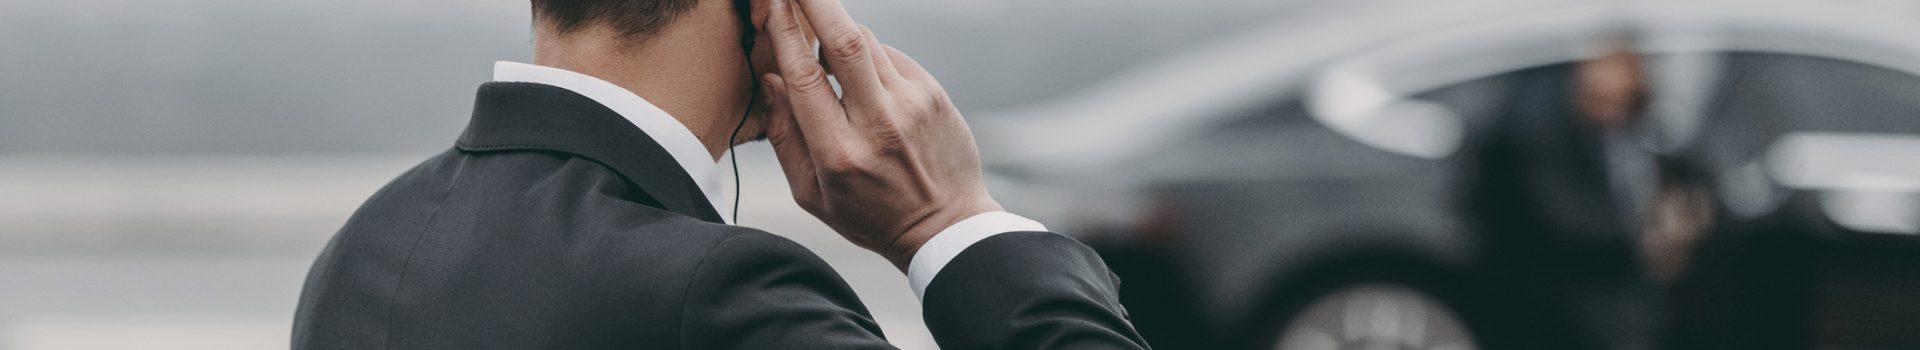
{"x":958,"y":238}
{"x":904,"y":247}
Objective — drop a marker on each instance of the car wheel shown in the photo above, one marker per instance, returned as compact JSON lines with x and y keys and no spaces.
{"x":1376,"y":315}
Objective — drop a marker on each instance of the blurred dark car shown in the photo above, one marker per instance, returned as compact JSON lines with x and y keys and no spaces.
{"x":1423,"y":180}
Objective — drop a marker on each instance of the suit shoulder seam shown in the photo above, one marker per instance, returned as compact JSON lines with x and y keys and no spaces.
{"x":459,"y":173}
{"x":686,"y":291}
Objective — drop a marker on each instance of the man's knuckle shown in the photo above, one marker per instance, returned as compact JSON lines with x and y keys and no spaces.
{"x":789,"y":28}
{"x":842,"y":163}
{"x":936,"y":100}
{"x":848,"y":45}
{"x":920,"y":101}
{"x":780,"y":140}
{"x":887,"y":136}
{"x":892,"y":143}
{"x":807,"y":76}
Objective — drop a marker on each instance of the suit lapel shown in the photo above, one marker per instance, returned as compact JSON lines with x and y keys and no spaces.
{"x":511,"y":116}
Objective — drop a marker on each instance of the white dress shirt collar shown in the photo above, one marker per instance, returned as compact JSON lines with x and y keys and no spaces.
{"x":662,"y":127}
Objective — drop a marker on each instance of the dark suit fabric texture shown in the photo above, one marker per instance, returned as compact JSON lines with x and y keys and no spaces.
{"x":556,"y":224}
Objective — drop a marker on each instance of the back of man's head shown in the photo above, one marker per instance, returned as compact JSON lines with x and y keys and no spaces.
{"x":629,"y":17}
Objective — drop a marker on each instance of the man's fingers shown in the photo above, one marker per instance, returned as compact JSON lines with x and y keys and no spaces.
{"x":816,"y":110}
{"x":911,"y":69}
{"x":848,"y":51}
{"x":881,"y":59}
{"x":789,"y":143}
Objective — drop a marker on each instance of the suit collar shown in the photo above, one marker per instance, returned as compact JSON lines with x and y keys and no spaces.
{"x":509,"y":116}
{"x":686,"y":148}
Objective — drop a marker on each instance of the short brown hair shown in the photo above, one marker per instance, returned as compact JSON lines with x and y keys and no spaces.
{"x":631,"y":17}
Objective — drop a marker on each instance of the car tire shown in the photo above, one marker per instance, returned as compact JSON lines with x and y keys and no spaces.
{"x":1368,"y":309}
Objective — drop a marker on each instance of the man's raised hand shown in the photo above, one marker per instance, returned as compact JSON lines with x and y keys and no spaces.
{"x":887,"y":164}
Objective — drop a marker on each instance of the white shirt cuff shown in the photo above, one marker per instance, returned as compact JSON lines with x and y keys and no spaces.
{"x":946,"y":245}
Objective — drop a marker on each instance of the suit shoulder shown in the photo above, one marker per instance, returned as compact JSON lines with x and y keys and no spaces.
{"x":700,"y":244}
{"x":739,"y":252}
{"x":735,"y":242}
{"x":740,"y":240}
{"x":643,"y":220}
{"x":757,"y":290}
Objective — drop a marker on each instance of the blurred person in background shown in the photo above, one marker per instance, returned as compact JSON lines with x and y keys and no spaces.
{"x":1659,"y":195}
{"x":1576,"y":205}
{"x":580,"y":208}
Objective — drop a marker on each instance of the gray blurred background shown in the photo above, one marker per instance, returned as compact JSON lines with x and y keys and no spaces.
{"x":168,"y":169}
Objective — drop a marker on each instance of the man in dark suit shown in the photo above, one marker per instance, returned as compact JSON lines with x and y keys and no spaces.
{"x":1560,"y":188}
{"x":578,"y":210}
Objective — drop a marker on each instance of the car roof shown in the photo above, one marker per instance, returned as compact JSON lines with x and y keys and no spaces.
{"x":1385,"y":52}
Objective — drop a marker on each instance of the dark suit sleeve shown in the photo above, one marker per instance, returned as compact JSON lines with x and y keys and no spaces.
{"x":1028,"y":290}
{"x":760,"y":291}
